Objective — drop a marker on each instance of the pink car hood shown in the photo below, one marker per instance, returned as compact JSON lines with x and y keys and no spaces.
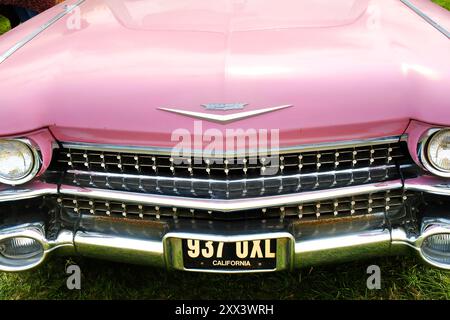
{"x":351,"y":69}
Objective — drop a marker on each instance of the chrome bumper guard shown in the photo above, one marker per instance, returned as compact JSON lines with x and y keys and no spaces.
{"x":152,"y":242}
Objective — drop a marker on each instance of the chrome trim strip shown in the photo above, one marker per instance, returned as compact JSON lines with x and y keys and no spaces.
{"x":429,"y":184}
{"x":421,"y":14}
{"x":404,"y":137}
{"x":229,"y":205}
{"x":34,"y":34}
{"x":28,"y":191}
{"x":293,"y":149}
{"x":266,"y":178}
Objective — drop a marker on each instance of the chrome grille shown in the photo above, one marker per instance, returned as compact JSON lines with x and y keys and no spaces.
{"x":231,"y":178}
{"x":359,"y":205}
{"x":229,"y":168}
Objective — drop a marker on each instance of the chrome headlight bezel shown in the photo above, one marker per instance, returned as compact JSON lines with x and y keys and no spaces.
{"x":35,"y":167}
{"x":423,"y":152}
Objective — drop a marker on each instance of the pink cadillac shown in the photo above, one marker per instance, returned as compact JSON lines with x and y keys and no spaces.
{"x":226,"y":135}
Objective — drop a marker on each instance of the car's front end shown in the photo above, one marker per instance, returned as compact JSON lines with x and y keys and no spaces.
{"x":333,"y":147}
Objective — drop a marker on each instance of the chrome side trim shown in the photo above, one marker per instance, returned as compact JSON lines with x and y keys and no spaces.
{"x":404,"y":137}
{"x":293,"y":149}
{"x":28,"y":191}
{"x":429,"y":184}
{"x":421,"y":14}
{"x":229,"y":205}
{"x":35,"y":33}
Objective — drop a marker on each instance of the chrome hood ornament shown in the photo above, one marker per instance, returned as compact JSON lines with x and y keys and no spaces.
{"x":225,"y":118}
{"x":224,"y":106}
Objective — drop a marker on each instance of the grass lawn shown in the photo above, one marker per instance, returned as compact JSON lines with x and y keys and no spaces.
{"x":5,"y":25}
{"x":402,"y":278}
{"x":444,"y":3}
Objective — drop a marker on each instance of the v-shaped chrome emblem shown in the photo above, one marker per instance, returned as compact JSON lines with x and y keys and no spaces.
{"x":224,"y":118}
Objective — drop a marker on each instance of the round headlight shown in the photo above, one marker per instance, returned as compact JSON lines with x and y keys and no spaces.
{"x":438,"y":151}
{"x":17,"y":162}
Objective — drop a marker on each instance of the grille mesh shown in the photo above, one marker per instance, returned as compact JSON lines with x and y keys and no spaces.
{"x":230,"y":168}
{"x":231,"y":178}
{"x":340,"y":207}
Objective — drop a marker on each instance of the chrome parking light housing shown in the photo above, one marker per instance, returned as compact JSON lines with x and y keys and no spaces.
{"x":31,"y":240}
{"x":434,"y":242}
{"x":437,"y":248}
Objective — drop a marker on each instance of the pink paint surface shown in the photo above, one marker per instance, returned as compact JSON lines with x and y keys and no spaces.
{"x":352,"y":69}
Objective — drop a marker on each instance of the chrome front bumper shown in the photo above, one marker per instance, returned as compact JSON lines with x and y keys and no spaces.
{"x":302,"y":247}
{"x":156,"y":242}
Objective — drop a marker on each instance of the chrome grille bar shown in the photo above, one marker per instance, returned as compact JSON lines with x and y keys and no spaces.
{"x":242,"y":180}
{"x":229,"y":205}
{"x":338,"y":207}
{"x":230,"y":189}
{"x":230,"y":178}
{"x":293,"y":149}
